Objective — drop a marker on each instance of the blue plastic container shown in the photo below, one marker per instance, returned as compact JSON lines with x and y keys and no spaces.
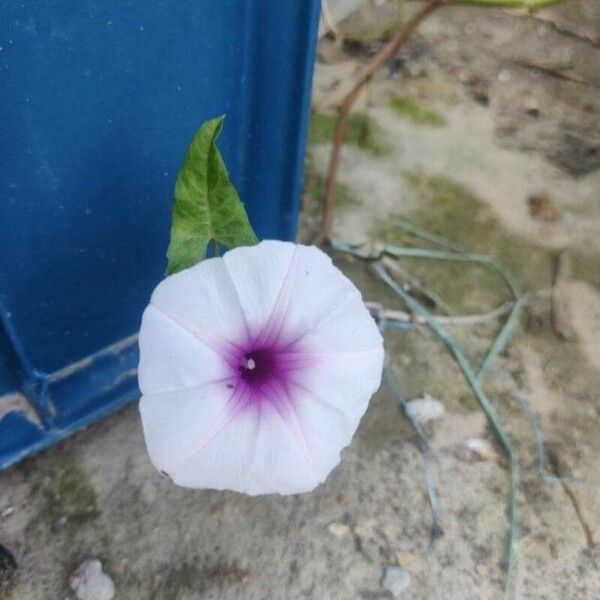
{"x":98,"y":102}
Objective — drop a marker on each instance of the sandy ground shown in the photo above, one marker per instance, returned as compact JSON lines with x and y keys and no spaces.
{"x":462,"y":175}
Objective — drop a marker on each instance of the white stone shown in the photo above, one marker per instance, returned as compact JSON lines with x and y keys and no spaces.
{"x":480,"y":448}
{"x":504,"y":75}
{"x":338,"y":529}
{"x":426,"y":409}
{"x":396,"y":580}
{"x":89,"y":582}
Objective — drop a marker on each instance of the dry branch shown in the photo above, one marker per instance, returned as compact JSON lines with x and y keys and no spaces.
{"x":387,"y":52}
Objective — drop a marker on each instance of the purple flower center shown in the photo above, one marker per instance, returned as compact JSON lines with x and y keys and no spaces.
{"x":264,"y":370}
{"x":258,"y":366}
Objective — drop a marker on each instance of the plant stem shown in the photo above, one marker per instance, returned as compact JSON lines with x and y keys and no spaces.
{"x":387,"y":52}
{"x":487,"y":407}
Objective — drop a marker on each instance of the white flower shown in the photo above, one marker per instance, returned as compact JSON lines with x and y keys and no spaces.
{"x":256,"y":369}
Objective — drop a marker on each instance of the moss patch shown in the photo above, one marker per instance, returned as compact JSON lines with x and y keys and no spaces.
{"x":586,"y":266}
{"x":66,"y":512}
{"x":67,"y":495}
{"x":416,"y":113}
{"x":314,"y":189}
{"x":451,"y":210}
{"x":361,"y":131}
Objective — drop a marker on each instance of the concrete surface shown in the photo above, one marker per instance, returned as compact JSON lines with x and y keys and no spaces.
{"x":464,"y":176}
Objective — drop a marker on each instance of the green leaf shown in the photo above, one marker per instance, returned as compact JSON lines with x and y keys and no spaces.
{"x":207,"y":207}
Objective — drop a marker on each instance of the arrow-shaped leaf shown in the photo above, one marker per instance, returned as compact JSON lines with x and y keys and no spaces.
{"x":207,"y":206}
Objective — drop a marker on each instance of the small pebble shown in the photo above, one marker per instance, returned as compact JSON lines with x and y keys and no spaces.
{"x":426,"y":409}
{"x":409,"y":561}
{"x":396,"y":579}
{"x":482,"y":570}
{"x":542,"y":548}
{"x":480,"y":449}
{"x":543,"y":208}
{"x":361,"y":531}
{"x":7,"y":512}
{"x":89,"y":582}
{"x":338,"y":529}
{"x":504,"y":76}
{"x":405,"y":359}
{"x":217,"y":512}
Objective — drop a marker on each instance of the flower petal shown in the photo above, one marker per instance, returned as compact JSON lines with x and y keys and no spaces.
{"x":259,"y":274}
{"x":172,"y":358}
{"x":254,"y":454}
{"x":175,"y":422}
{"x":283,"y":462}
{"x":321,"y":292}
{"x":346,"y":328}
{"x":344,"y":382}
{"x":326,"y":430}
{"x":204,"y":300}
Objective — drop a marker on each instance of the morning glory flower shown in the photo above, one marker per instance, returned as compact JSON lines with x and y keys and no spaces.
{"x":255,"y":369}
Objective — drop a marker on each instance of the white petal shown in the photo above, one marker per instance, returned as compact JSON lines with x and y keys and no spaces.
{"x":343,"y":341}
{"x":326,"y":430}
{"x":174,"y":422}
{"x":204,"y":300}
{"x":331,"y":398}
{"x":221,"y":463}
{"x":259,"y":273}
{"x":255,"y":453}
{"x":320,"y":292}
{"x":171,"y":358}
{"x":349,"y":328}
{"x":283,"y":462}
{"x":344,"y":381}
{"x":300,"y":288}
{"x":198,"y":438}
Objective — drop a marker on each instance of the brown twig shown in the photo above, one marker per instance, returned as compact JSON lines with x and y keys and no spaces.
{"x":559,"y":468}
{"x":561,"y":313}
{"x":387,"y":52}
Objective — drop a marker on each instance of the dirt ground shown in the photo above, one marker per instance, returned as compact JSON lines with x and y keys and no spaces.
{"x":486,"y":130}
